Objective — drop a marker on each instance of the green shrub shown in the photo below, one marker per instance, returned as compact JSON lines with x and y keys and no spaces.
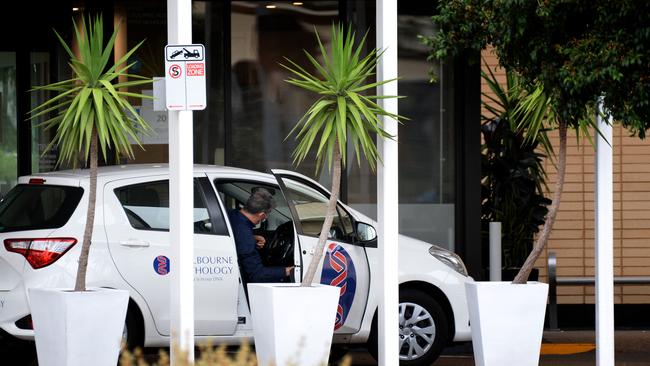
{"x":512,"y":173}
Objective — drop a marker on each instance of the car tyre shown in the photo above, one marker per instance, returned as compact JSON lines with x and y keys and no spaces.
{"x":133,"y":335}
{"x":17,"y":352}
{"x":430,"y":335}
{"x":337,"y":352}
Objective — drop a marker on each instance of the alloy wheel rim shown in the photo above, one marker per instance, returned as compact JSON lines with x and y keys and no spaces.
{"x":417,"y":331}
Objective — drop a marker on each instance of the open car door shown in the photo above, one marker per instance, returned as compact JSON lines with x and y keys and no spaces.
{"x":344,"y":263}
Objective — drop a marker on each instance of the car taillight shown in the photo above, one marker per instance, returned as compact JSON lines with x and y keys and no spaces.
{"x":40,"y":252}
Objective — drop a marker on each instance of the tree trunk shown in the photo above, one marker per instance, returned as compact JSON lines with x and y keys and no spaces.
{"x":327,"y":224}
{"x":80,"y":284}
{"x":522,"y":276}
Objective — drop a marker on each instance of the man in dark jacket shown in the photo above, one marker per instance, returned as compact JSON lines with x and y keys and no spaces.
{"x":257,"y":208}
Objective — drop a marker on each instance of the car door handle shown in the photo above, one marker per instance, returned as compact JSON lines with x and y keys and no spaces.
{"x":134,"y":243}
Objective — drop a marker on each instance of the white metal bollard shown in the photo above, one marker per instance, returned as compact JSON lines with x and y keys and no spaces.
{"x":495,"y":251}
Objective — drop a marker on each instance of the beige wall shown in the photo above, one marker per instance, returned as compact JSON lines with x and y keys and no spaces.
{"x":572,"y":238}
{"x":490,"y":61}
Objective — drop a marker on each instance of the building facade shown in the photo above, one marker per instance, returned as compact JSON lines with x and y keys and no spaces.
{"x":251,"y":109}
{"x":572,"y":238}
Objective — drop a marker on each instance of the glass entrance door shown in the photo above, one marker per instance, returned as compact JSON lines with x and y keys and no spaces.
{"x":40,"y":75}
{"x":8,"y":122}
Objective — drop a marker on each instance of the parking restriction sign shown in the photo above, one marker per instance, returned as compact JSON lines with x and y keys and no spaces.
{"x":175,"y":71}
{"x":195,"y":68}
{"x":185,"y":77}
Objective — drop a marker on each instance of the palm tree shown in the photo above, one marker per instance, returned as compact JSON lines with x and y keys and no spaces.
{"x":512,"y":170}
{"x":536,"y":114}
{"x":341,"y":114}
{"x":92,"y":113}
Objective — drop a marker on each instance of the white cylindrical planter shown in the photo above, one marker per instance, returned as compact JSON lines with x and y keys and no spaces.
{"x":293,"y":325}
{"x":78,"y":328}
{"x":507,"y":322}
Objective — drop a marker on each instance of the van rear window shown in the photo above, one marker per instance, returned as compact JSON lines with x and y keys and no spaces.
{"x":35,"y":207}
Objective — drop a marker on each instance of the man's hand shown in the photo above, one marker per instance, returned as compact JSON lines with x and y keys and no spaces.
{"x":260,"y":241}
{"x":287,"y":271}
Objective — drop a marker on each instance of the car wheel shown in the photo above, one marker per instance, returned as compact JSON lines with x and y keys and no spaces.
{"x":133,"y":333}
{"x":423,"y":329}
{"x":337,"y":352}
{"x":18,"y":353}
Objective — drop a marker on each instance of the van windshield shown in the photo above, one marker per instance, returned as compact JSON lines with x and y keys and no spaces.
{"x":35,"y":207}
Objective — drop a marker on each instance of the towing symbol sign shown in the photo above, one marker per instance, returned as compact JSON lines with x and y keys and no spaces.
{"x":185,"y":78}
{"x":193,"y":52}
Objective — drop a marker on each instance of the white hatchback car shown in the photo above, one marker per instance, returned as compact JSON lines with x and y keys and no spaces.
{"x":42,"y":222}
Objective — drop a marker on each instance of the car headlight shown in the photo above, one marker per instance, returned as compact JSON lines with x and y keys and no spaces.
{"x":449,"y":258}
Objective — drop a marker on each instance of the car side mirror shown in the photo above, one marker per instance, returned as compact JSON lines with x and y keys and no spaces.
{"x":366,"y":234}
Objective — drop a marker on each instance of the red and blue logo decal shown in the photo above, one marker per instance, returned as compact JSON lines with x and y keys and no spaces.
{"x":338,"y":270}
{"x":161,"y":265}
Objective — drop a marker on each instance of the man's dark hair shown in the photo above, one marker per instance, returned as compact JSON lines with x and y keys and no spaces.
{"x":260,"y":201}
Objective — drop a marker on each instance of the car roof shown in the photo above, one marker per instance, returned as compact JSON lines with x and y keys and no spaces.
{"x":130,"y":170}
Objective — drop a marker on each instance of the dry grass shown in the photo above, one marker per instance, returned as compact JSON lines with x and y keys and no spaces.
{"x":208,"y":356}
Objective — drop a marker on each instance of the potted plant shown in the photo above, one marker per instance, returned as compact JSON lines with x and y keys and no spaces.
{"x":558,"y":51}
{"x":340,"y":116}
{"x":511,"y":190}
{"x":513,"y":178}
{"x":84,"y":326}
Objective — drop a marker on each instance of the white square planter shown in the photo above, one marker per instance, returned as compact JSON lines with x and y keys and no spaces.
{"x":78,"y":328}
{"x":293,"y":325}
{"x":507,"y":322}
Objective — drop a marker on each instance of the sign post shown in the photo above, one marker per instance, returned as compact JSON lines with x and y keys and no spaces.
{"x":604,"y":227}
{"x":387,"y":188}
{"x":183,"y":94}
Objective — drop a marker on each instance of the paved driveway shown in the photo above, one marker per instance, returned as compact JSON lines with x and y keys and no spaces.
{"x":563,"y":348}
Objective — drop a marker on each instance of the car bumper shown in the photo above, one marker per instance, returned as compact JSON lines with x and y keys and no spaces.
{"x":455,"y":291}
{"x":13,"y":307}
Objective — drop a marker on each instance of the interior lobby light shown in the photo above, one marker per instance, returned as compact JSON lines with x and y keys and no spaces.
{"x":270,"y":6}
{"x":297,"y":3}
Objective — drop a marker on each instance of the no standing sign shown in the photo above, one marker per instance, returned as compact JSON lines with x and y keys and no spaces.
{"x":185,"y":77}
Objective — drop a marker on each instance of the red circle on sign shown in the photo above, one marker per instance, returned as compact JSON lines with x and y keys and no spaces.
{"x":175,"y":71}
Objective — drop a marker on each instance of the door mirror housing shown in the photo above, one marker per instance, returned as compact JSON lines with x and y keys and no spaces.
{"x":366,"y":234}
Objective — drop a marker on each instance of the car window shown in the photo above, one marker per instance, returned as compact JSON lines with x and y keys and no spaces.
{"x":311,"y":207}
{"x":35,"y":207}
{"x":346,"y":221}
{"x":147,"y":206}
{"x":235,"y":193}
